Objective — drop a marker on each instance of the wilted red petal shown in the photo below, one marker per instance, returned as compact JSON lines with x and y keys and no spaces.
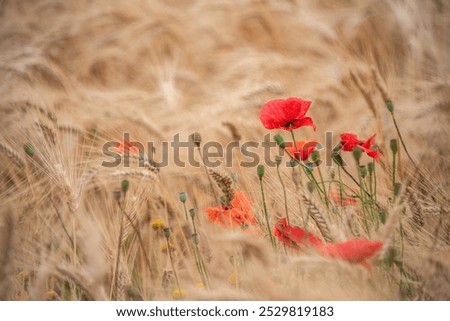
{"x":286,"y":114}
{"x":354,"y":250}
{"x":294,"y":236}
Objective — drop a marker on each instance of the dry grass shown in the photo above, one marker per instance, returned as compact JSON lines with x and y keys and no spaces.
{"x":76,"y":74}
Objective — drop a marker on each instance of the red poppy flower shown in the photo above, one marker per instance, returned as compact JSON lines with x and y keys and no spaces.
{"x":303,"y":150}
{"x":349,"y":141}
{"x":294,"y":236}
{"x":354,"y":250}
{"x":124,"y":145}
{"x":286,"y":114}
{"x":238,"y":214}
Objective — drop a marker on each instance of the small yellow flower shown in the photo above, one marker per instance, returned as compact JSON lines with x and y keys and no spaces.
{"x":164,"y":247}
{"x":178,"y":294}
{"x":199,"y":285}
{"x":158,"y":224}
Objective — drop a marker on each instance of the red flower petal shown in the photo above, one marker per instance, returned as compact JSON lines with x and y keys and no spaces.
{"x":286,"y":114}
{"x":303,"y":150}
{"x":238,"y":214}
{"x":354,"y":250}
{"x":305,"y":121}
{"x":294,"y":236}
{"x":348,"y":141}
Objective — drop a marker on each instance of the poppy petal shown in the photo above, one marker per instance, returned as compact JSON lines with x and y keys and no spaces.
{"x":354,"y":250}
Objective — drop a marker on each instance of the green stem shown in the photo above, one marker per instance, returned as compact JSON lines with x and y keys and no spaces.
{"x":266,"y":214}
{"x":394,"y":158}
{"x":401,"y":139}
{"x":324,"y":189}
{"x":284,"y":194}
{"x":185,"y":211}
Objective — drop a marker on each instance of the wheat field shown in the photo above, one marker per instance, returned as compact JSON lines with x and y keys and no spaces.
{"x":75,"y":75}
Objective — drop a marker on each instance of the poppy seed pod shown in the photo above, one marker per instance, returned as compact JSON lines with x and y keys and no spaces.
{"x":278,"y":160}
{"x":183,"y":197}
{"x":371,"y":168}
{"x":357,"y":153}
{"x":192,"y":212}
{"x":394,"y":146}
{"x":280,"y":141}
{"x":363,"y":171}
{"x":166,"y":232}
{"x":390,"y":106}
{"x":125,"y":185}
{"x":260,"y":171}
{"x":315,"y":156}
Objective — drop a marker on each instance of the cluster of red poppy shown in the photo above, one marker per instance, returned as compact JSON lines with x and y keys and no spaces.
{"x":289,"y":114}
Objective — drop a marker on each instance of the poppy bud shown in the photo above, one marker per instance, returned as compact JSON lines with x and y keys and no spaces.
{"x":234,"y":177}
{"x":167,"y":232}
{"x":383,"y":216}
{"x":29,"y":149}
{"x":315,"y":156}
{"x":125,"y":185}
{"x":371,"y":168}
{"x":260,"y":171}
{"x":280,"y":141}
{"x":278,"y":160}
{"x":363,"y":171}
{"x":394,"y":146}
{"x":192,"y":212}
{"x":183,"y":197}
{"x":196,"y":138}
{"x":310,"y":186}
{"x":357,"y":153}
{"x":390,"y":106}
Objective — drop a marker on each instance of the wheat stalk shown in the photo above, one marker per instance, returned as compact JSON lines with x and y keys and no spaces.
{"x":225,"y":185}
{"x":10,"y":153}
{"x":415,"y":207}
{"x":318,"y":218}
